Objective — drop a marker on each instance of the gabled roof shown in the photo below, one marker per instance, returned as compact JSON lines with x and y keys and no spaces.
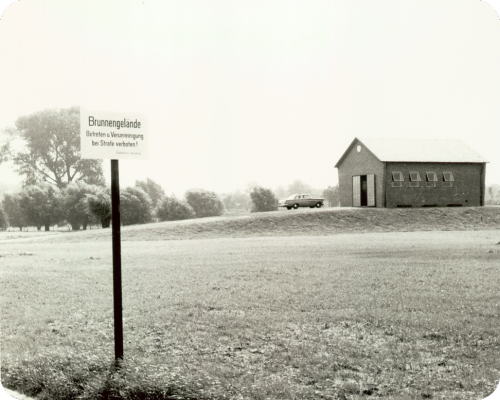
{"x":417,"y":150}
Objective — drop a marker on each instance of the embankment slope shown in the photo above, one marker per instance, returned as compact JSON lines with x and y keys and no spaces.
{"x":329,"y":221}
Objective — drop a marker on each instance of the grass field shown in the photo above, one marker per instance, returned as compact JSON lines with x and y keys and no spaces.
{"x":397,"y":315}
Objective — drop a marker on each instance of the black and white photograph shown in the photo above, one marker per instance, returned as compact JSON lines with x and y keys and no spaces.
{"x":249,"y":200}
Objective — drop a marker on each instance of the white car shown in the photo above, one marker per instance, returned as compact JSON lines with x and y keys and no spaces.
{"x":301,"y":200}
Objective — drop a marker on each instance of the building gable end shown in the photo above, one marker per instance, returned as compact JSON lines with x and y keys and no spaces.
{"x":352,"y":146}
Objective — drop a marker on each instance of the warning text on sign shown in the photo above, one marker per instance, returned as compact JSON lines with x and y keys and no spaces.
{"x":109,"y":135}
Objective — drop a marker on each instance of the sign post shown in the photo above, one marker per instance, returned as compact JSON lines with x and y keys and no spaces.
{"x":117,"y":260}
{"x":106,"y":135}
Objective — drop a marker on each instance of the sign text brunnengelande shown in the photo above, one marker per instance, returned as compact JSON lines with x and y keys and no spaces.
{"x":109,"y":135}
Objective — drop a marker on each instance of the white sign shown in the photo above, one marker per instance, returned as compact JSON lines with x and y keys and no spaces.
{"x":113,"y":135}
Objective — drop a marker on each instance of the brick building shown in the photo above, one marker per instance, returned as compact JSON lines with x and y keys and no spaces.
{"x":410,"y":173}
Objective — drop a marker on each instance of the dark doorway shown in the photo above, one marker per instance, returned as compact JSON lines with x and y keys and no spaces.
{"x":364,"y":190}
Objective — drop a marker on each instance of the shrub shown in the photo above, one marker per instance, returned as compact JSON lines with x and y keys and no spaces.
{"x":12,"y":207}
{"x":99,"y":204}
{"x":42,"y":205}
{"x":237,"y":201}
{"x":172,"y":209}
{"x":204,"y":203}
{"x":263,"y":200}
{"x":75,"y":202}
{"x":331,"y":195}
{"x":154,"y":190}
{"x":135,"y":206}
{"x":3,"y":219}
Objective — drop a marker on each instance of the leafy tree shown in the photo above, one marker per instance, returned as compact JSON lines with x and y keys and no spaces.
{"x":489,"y":196}
{"x":12,"y":207}
{"x":331,"y":195}
{"x":75,"y":203}
{"x":42,"y":205}
{"x":280,"y":192}
{"x":237,"y":201}
{"x":3,"y":219}
{"x":172,"y":209}
{"x":263,"y":200}
{"x":99,"y":204}
{"x":228,"y":201}
{"x":4,"y":149}
{"x":250,"y":186}
{"x":136,"y":206}
{"x":492,"y":195}
{"x":297,"y":186}
{"x":51,"y":151}
{"x":9,"y":188}
{"x":154,"y":190}
{"x":204,"y":203}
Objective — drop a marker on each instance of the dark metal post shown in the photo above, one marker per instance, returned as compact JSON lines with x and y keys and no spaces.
{"x":117,"y":260}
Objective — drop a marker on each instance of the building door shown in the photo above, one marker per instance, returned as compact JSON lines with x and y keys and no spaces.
{"x":363,"y":190}
{"x":370,"y":190}
{"x":356,"y":191}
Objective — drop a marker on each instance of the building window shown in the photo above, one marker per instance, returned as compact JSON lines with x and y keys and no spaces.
{"x":431,"y":177}
{"x":415,"y":176}
{"x":448,"y":177}
{"x":414,"y":179}
{"x":397,"y":184}
{"x":397,"y":176}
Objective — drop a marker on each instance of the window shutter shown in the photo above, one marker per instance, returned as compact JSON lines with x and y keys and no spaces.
{"x":356,"y":191}
{"x":371,"y":190}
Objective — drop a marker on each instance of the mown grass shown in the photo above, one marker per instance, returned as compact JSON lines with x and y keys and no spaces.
{"x":393,"y":315}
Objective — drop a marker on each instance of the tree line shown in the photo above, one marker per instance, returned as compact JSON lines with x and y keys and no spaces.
{"x":256,"y":198}
{"x":81,"y":204}
{"x":59,"y":187}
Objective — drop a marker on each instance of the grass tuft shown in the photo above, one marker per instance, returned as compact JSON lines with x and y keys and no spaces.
{"x":52,"y":376}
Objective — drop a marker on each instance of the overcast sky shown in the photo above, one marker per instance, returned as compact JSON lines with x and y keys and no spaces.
{"x":265,"y":91}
